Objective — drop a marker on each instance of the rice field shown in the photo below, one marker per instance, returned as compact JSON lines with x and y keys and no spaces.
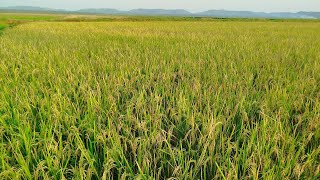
{"x":2,"y":26}
{"x":160,"y":99}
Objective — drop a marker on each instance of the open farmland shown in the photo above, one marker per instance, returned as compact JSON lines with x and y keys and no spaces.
{"x":188,"y":100}
{"x":2,"y":26}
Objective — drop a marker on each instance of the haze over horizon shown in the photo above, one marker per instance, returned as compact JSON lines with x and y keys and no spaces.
{"x":190,"y":5}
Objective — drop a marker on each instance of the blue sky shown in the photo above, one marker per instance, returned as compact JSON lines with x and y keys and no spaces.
{"x":191,"y":5}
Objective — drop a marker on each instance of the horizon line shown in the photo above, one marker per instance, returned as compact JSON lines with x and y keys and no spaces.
{"x":190,"y":11}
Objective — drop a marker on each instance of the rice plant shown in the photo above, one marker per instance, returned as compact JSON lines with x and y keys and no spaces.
{"x":160,"y":99}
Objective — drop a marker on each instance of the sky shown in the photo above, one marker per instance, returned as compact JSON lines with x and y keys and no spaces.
{"x":191,"y":5}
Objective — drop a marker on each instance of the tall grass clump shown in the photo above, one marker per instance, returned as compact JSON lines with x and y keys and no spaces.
{"x":2,"y":26}
{"x":158,"y":100}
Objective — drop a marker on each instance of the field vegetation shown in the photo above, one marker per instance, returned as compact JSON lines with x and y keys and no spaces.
{"x":2,"y":26}
{"x":160,"y":99}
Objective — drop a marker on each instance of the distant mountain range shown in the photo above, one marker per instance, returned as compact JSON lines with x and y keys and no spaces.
{"x":30,"y":8}
{"x":172,"y":12}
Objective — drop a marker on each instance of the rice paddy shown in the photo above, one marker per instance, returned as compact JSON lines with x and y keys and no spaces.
{"x":2,"y":26}
{"x":160,"y":99}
